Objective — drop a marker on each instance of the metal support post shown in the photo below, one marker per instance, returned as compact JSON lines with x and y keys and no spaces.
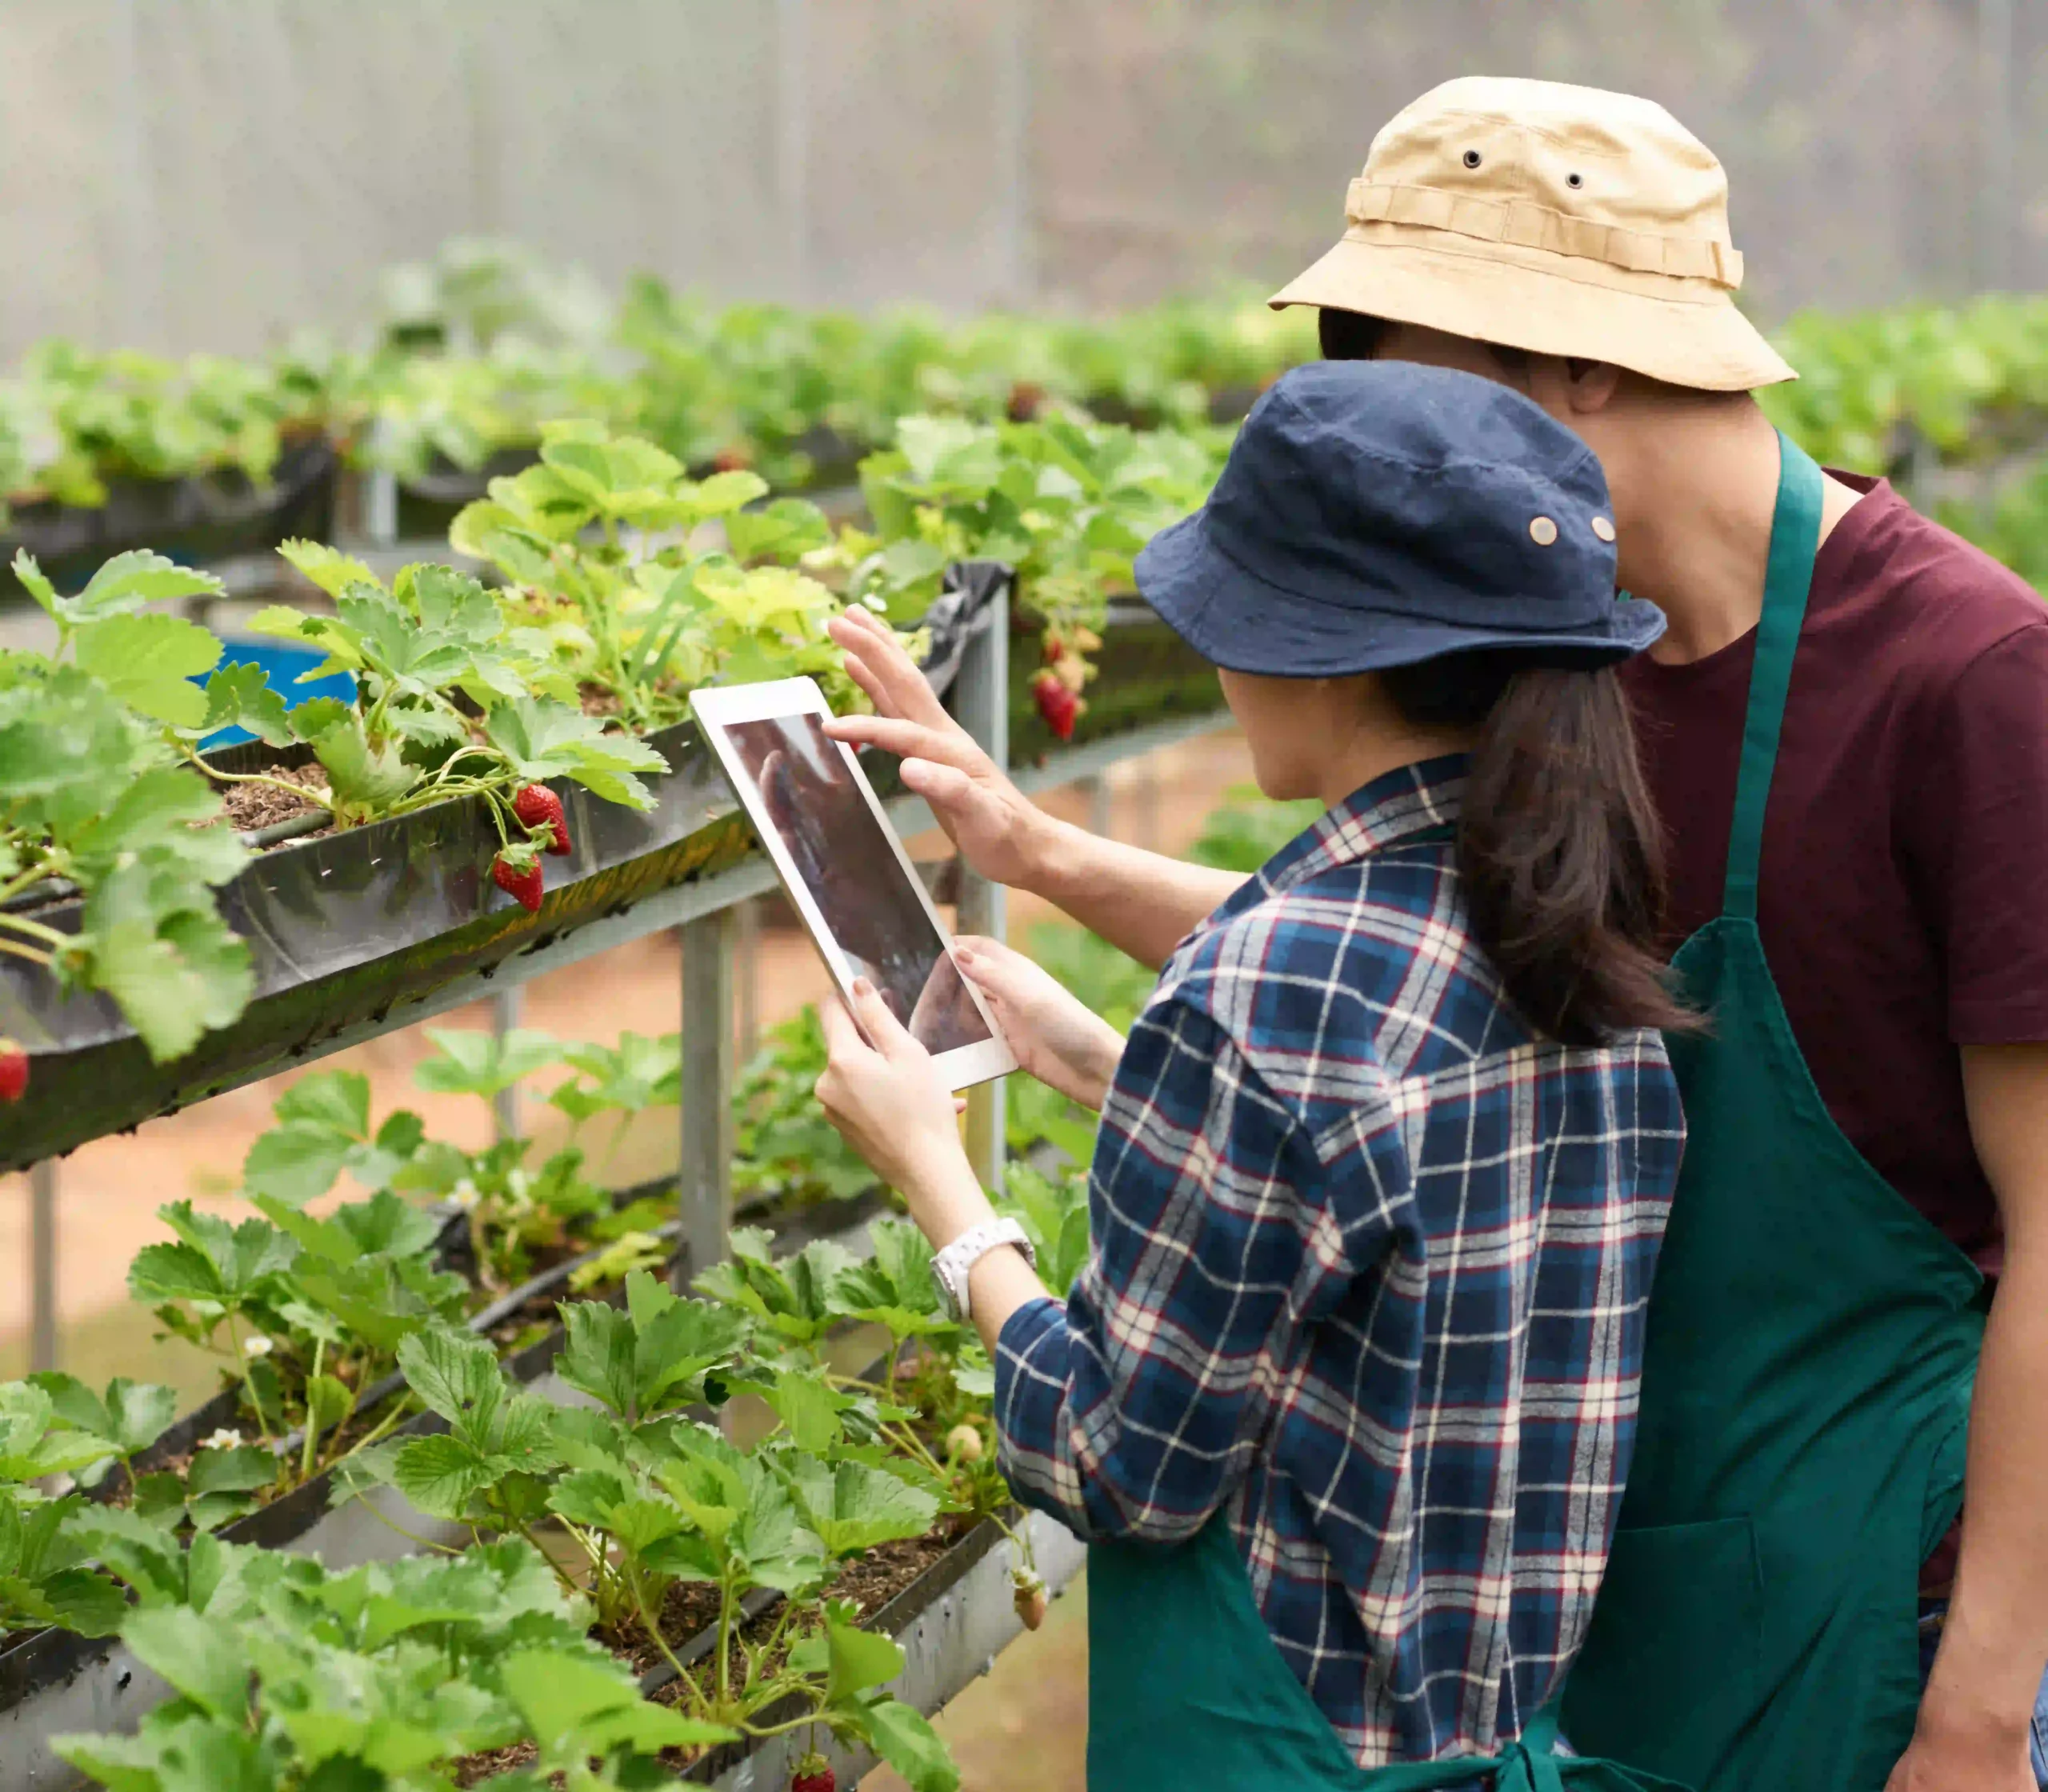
{"x":380,"y":506}
{"x":1145,"y":802}
{"x":746,"y":974}
{"x":504,"y":1017}
{"x":43,"y":1265}
{"x":706,"y":1182}
{"x":982,"y":702}
{"x":1101,"y":820}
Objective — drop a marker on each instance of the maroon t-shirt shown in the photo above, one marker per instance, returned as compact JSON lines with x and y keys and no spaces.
{"x":1903,"y":897}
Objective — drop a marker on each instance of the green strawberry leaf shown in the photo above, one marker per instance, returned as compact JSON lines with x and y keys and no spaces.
{"x":149,"y":662}
{"x":328,"y":568}
{"x":203,"y":1660}
{"x":471,"y":1062}
{"x":240,"y":696}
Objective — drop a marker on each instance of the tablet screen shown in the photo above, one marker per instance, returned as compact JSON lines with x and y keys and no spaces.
{"x":853,"y":875}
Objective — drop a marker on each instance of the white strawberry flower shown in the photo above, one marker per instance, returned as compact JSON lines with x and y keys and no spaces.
{"x":519,"y":1182}
{"x":257,"y":1345}
{"x":222,"y":1439}
{"x":465,"y":1197}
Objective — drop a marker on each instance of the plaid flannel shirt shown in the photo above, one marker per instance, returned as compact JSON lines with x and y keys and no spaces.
{"x":1368,"y":1277}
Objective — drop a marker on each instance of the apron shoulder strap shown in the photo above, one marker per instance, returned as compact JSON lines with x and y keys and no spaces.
{"x":1795,"y":531}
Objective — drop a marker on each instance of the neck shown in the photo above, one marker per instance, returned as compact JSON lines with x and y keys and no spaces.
{"x":1367,"y":756}
{"x":1698,"y":552}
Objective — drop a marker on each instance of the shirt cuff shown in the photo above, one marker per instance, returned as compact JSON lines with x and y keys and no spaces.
{"x":1022,"y":1334}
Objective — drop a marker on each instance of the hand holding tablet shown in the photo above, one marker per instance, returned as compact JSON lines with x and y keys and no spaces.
{"x":846,"y":871}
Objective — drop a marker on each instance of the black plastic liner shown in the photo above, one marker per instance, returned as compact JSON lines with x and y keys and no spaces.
{"x":205,"y":518}
{"x":429,"y":502}
{"x":345,"y":928}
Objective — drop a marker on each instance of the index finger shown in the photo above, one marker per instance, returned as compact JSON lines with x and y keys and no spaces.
{"x":907,"y":740}
{"x":901,"y":685}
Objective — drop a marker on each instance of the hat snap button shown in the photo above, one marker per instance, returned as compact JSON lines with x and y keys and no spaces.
{"x":1542,"y":531}
{"x":1603,"y":528}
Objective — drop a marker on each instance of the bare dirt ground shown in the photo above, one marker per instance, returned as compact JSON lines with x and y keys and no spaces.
{"x":1020,"y":1729}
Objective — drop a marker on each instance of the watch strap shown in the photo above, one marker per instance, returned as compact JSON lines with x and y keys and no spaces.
{"x":952,"y":1265}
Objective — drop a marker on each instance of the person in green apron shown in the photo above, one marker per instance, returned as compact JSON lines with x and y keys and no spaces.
{"x":1846,"y":732}
{"x":1344,"y":1395}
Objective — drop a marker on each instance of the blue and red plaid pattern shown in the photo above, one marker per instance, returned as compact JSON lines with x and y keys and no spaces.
{"x":1370,"y":1267}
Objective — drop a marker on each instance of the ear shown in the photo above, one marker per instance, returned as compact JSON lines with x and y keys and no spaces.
{"x":1581,"y":387}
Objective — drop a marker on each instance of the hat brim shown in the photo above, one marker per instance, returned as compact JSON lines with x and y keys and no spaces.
{"x":1684,"y":332}
{"x":1242,"y":622}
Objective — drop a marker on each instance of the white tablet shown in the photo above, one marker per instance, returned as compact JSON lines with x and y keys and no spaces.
{"x":865,"y":907}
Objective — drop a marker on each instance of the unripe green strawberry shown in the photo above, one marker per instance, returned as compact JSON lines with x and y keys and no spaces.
{"x":964,"y":1442}
{"x":1029,"y":1595}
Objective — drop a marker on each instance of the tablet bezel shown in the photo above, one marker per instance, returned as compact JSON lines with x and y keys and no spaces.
{"x":718,"y":706}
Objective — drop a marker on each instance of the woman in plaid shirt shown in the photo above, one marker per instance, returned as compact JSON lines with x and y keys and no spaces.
{"x":1344,"y":1397}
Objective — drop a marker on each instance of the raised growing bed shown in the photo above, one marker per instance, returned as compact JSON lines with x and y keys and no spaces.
{"x":204,"y":518}
{"x":54,"y":1683}
{"x":345,"y":927}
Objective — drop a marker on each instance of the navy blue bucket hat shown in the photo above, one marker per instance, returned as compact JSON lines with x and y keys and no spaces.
{"x":1380,"y":513}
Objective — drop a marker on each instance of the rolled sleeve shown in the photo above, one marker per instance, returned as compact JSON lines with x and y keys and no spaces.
{"x":1132,"y":1410}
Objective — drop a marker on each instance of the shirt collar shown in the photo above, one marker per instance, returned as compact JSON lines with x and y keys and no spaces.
{"x":1395,"y":806}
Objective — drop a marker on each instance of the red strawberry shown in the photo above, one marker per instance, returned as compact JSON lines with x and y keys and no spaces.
{"x":523,"y":885}
{"x":732,"y":460}
{"x":1027,"y":399}
{"x":1056,"y":703}
{"x":814,"y":1774}
{"x":536,"y":804}
{"x":14,"y":1071}
{"x":1028,"y":1595}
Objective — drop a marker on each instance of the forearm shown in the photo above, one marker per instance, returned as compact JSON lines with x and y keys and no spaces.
{"x":1995,"y":1641}
{"x":1141,"y":902}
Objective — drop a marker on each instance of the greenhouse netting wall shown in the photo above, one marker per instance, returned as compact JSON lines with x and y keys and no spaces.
{"x":180,"y":174}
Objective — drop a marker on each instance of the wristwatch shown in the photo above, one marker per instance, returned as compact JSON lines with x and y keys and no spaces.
{"x":951,"y":1267}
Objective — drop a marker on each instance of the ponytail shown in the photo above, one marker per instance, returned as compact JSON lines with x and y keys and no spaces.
{"x":1558,"y":845}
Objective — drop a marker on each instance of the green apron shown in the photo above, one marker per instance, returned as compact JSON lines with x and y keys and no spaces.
{"x":1812,"y":1344}
{"x":1187,"y":1693}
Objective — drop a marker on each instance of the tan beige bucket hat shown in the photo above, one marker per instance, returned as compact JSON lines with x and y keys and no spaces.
{"x":1555,"y":219}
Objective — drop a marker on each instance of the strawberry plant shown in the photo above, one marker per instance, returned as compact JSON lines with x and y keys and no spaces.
{"x":637,"y":613}
{"x":125,"y":414}
{"x":287,"y":1676}
{"x":92,"y":797}
{"x":451,"y":702}
{"x":1067,"y":503}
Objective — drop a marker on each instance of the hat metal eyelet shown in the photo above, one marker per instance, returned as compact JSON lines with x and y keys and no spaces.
{"x":1574,"y":179}
{"x":1542,"y":531}
{"x":1472,"y":158}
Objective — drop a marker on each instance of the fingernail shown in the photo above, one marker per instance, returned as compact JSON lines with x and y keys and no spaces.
{"x":863,"y":988}
{"x":963,"y":951}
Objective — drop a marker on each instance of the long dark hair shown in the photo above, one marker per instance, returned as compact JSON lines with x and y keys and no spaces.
{"x":1557,"y":844}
